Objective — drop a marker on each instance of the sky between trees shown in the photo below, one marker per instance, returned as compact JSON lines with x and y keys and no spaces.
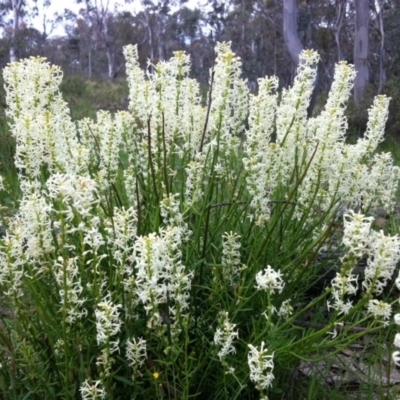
{"x":267,"y":35}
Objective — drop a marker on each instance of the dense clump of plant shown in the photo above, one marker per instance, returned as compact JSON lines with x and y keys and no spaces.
{"x":168,"y":252}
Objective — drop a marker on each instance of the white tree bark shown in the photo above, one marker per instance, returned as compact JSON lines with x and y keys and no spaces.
{"x":292,"y":41}
{"x":377,"y":6}
{"x":109,"y":48}
{"x":361,"y":48}
{"x":341,"y":11}
{"x":291,"y":35}
{"x":16,"y":6}
{"x":146,"y":23}
{"x":99,"y":16}
{"x":111,"y":63}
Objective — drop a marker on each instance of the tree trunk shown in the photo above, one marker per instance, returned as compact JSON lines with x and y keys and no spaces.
{"x":160,"y":36}
{"x":111,"y":63}
{"x":109,"y":46}
{"x":90,"y":62}
{"x":381,"y":31}
{"x":16,"y":10}
{"x":341,"y":11}
{"x":13,"y":54}
{"x":149,"y":29}
{"x":291,"y":35}
{"x":293,"y":43}
{"x":361,"y":50}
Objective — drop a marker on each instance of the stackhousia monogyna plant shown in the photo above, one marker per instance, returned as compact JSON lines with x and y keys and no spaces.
{"x":169,"y":252}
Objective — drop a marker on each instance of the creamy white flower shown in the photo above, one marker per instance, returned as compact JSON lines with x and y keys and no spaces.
{"x":343,"y":285}
{"x":384,"y":254}
{"x":105,"y":361}
{"x":342,"y":306}
{"x":108,"y":323}
{"x":194,"y":181}
{"x":77,"y":193}
{"x":70,"y":288}
{"x":161,"y":277}
{"x":12,"y":258}
{"x":59,"y":347}
{"x":92,"y":235}
{"x":170,"y":210}
{"x":136,"y":82}
{"x":167,"y":104}
{"x":228,"y":108}
{"x":121,"y":229}
{"x":108,"y":140}
{"x":380,"y":310}
{"x":35,"y":211}
{"x":357,"y":229}
{"x":40,"y":121}
{"x":377,"y":116}
{"x":230,"y":370}
{"x":381,"y":182}
{"x":225,"y":335}
{"x":261,"y":155}
{"x":397,"y":282}
{"x":269,"y":280}
{"x":292,"y":112}
{"x":334,"y":333}
{"x":261,"y":365}
{"x":192,"y":116}
{"x":396,"y":341}
{"x":231,"y":265}
{"x":269,"y":313}
{"x":136,"y":351}
{"x":92,"y":391}
{"x":396,"y":358}
{"x":286,"y":309}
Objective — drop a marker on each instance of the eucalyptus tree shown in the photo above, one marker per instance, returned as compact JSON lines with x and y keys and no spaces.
{"x":48,"y":21}
{"x":292,"y":40}
{"x":155,"y":16}
{"x":12,"y":12}
{"x":100,"y":17}
{"x":391,"y":19}
{"x":341,"y":12}
{"x":361,"y":48}
{"x":378,"y":24}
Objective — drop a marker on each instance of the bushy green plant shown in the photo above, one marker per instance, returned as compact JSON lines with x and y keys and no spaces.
{"x":392,"y":89}
{"x":86,"y":96}
{"x":358,"y":118}
{"x":166,"y":252}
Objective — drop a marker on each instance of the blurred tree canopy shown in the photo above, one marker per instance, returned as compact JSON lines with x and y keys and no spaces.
{"x":94,"y":38}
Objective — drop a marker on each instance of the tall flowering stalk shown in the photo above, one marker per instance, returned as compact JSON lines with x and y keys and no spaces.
{"x":41,"y":125}
{"x":383,"y":254}
{"x":161,"y":278}
{"x":396,"y":353}
{"x":136,"y":353}
{"x":70,"y":290}
{"x":231,"y":266}
{"x":108,"y":325}
{"x":261,"y":156}
{"x":261,"y":365}
{"x":230,"y":98}
{"x":224,"y":338}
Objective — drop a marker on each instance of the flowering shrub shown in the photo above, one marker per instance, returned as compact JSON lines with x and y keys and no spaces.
{"x":170,"y":252}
